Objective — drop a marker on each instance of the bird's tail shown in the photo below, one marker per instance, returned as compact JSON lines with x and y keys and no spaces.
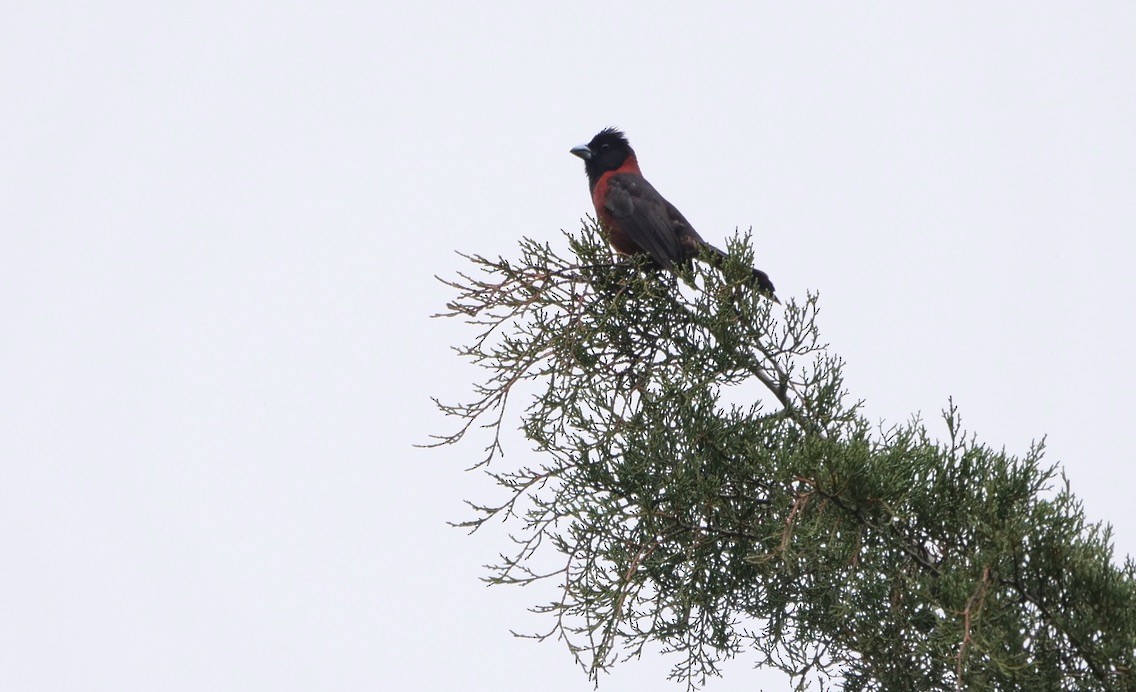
{"x":760,"y":279}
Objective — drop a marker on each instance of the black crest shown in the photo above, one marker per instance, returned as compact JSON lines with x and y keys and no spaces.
{"x":607,"y":151}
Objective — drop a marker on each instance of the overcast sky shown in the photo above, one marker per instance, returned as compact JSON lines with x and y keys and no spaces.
{"x":220,"y":224}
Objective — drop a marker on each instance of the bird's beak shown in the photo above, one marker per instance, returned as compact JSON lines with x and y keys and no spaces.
{"x":582,"y":151}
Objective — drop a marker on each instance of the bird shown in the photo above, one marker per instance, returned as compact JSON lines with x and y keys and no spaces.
{"x":635,"y":218}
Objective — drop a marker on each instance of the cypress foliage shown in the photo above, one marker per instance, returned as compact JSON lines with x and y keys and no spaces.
{"x":787,"y":529}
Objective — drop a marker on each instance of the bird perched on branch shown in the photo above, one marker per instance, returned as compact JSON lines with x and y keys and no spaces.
{"x":635,"y":217}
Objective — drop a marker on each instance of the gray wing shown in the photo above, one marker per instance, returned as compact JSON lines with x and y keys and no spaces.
{"x":649,"y":221}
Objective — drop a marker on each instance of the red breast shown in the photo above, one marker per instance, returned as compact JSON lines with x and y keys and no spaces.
{"x":615,"y":235}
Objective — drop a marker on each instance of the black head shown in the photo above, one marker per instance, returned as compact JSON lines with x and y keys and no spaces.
{"x":606,"y":152}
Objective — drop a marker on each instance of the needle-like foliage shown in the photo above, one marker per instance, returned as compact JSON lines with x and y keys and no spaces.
{"x":784,"y":528}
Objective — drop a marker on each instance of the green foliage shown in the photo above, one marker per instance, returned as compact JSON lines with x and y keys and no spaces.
{"x":787,"y":529}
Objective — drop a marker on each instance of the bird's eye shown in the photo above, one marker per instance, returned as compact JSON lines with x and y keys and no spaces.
{"x":605,"y":147}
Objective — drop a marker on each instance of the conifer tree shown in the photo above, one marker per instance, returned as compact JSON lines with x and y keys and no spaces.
{"x":785,"y":528}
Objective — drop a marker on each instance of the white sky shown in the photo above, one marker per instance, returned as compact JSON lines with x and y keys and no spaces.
{"x":220,"y":225}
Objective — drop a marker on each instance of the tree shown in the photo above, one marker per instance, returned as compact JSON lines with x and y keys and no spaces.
{"x":788,"y":527}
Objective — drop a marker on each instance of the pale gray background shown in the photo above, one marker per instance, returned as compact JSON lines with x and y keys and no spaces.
{"x":220,"y":224}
